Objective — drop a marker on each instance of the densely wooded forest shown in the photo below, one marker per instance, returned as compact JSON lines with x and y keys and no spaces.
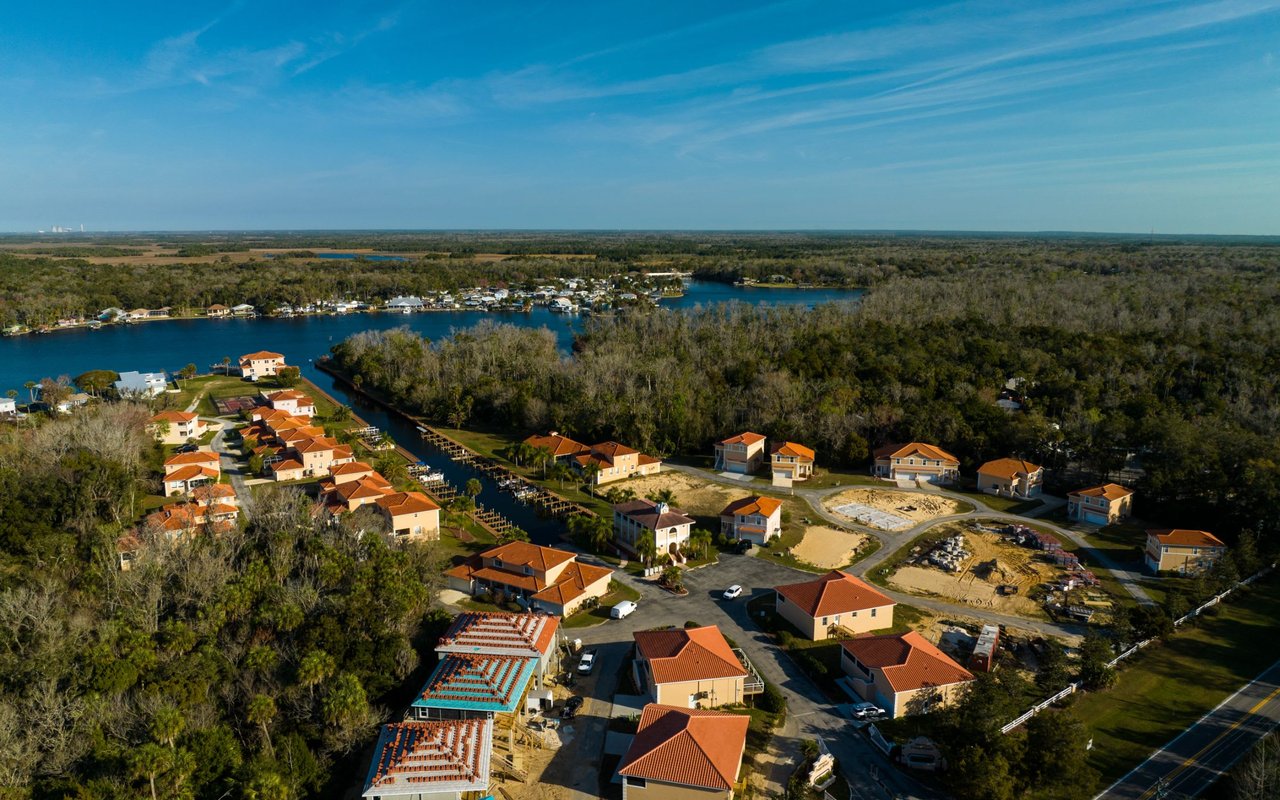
{"x":1171,"y":369}
{"x":249,"y":665}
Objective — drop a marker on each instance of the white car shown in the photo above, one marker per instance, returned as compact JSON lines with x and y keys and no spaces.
{"x":587,"y":662}
{"x":866,"y":711}
{"x":622,"y":610}
{"x":733,"y":592}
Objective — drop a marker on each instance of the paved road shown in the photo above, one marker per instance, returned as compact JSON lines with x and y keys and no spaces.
{"x":230,"y":466}
{"x":1193,"y":761}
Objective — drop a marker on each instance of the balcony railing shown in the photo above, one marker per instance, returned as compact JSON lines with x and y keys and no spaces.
{"x":753,"y":684}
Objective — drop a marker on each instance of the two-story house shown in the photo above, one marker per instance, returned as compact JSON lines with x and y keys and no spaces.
{"x":292,"y":402}
{"x":916,"y":461}
{"x":689,"y":668}
{"x":176,"y":427}
{"x":186,"y":471}
{"x":836,"y":601}
{"x":1011,"y":477}
{"x":757,"y":519}
{"x":742,"y":454}
{"x":442,"y":759}
{"x":613,"y":462}
{"x":262,"y":364}
{"x":1183,"y":551}
{"x":670,"y":526}
{"x":540,"y":577}
{"x":1100,"y":505}
{"x":561,"y":448}
{"x":684,"y":754}
{"x":532,"y":636}
{"x":790,"y":462}
{"x":411,"y":515}
{"x":904,"y":674}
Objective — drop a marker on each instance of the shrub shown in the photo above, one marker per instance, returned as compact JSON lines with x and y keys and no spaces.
{"x":772,"y":700}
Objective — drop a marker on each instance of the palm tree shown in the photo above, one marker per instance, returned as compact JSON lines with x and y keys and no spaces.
{"x":148,"y":761}
{"x":561,"y":473}
{"x":167,"y":726}
{"x":316,"y":666}
{"x":600,"y":532}
{"x":541,"y":456}
{"x":591,"y":471}
{"x":646,"y":547}
{"x":262,"y":709}
{"x":473,"y":488}
{"x":226,"y":365}
{"x":663,"y":496}
{"x":31,"y":390}
{"x":700,"y":540}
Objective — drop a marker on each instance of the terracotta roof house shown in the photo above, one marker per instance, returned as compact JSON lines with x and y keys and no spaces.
{"x":613,"y":462}
{"x":1183,"y":551}
{"x":790,"y":462}
{"x":756,"y":518}
{"x":497,"y":634}
{"x":217,"y":310}
{"x":292,"y":401}
{"x":186,"y":471}
{"x":561,"y":448}
{"x":670,"y":527}
{"x":689,"y":668}
{"x":742,"y":454}
{"x":262,"y":364}
{"x":538,"y":577}
{"x":833,"y":602}
{"x":464,"y":686}
{"x":1100,"y":505}
{"x":176,"y":427}
{"x":682,"y":753}
{"x":351,"y":471}
{"x":410,"y":514}
{"x":916,"y":461}
{"x":431,"y":760}
{"x":1011,"y":477}
{"x":902,"y":673}
{"x":350,"y":495}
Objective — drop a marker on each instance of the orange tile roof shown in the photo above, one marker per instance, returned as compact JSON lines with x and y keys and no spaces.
{"x":196,"y":457}
{"x":190,"y":472}
{"x":437,"y":756}
{"x":915,"y":448}
{"x":173,"y":416}
{"x":1008,"y":468}
{"x":406,"y":503}
{"x":752,"y":505}
{"x":834,"y":593}
{"x":350,"y":467}
{"x":611,"y":450}
{"x":370,"y":486}
{"x":213,"y":491}
{"x":688,"y":654}
{"x":519,"y":554}
{"x":288,"y":394}
{"x":1110,"y":491}
{"x":527,"y":583}
{"x":743,"y":438}
{"x":261,"y":355}
{"x":687,"y":746}
{"x":496,"y":633}
{"x":557,"y":444}
{"x":572,"y":583}
{"x":1182,"y":537}
{"x":792,"y":449}
{"x":287,"y":465}
{"x":908,"y":661}
{"x":316,"y":444}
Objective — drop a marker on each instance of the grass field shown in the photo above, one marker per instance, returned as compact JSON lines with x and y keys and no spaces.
{"x":618,"y":591}
{"x":1007,"y":505}
{"x":1165,"y":688}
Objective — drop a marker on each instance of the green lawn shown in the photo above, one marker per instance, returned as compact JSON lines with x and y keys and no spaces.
{"x":618,"y":591}
{"x":828,"y":478}
{"x":1008,"y":505}
{"x":1121,"y":542}
{"x":1167,"y":687}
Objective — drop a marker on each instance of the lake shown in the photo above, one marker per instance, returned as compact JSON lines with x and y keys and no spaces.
{"x":170,"y":345}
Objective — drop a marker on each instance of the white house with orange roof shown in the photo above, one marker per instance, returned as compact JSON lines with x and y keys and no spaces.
{"x":916,"y":461}
{"x":756,"y":519}
{"x":291,"y":401}
{"x":1100,"y":505}
{"x":684,"y":754}
{"x":350,"y":471}
{"x":176,"y":427}
{"x":411,"y":515}
{"x":836,"y":601}
{"x":347,"y":496}
{"x":671,"y":527}
{"x":438,"y":759}
{"x":791,"y":462}
{"x":262,"y":364}
{"x":543,"y":577}
{"x":689,"y":668}
{"x":1182,"y":551}
{"x":742,"y":454}
{"x":904,"y":674}
{"x":1011,"y":477}
{"x":186,"y":471}
{"x":614,"y":461}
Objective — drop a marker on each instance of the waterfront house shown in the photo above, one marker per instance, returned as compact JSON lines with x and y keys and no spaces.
{"x":1011,"y":477}
{"x":186,"y":471}
{"x":176,"y":427}
{"x":689,"y":668}
{"x":349,"y":495}
{"x":444,"y":759}
{"x":135,"y":384}
{"x":262,"y":364}
{"x":903,"y":673}
{"x":742,"y":454}
{"x":833,"y":603}
{"x":1100,"y":505}
{"x":536,"y":576}
{"x":1182,"y":551}
{"x":8,"y":406}
{"x":671,"y":527}
{"x":615,"y":461}
{"x":291,"y":401}
{"x":217,"y":310}
{"x":790,"y":462}
{"x":684,"y":754}
{"x":350,"y":471}
{"x":317,"y":455}
{"x":405,"y":305}
{"x":411,"y":515}
{"x":532,"y":636}
{"x":561,"y":448}
{"x":242,"y":310}
{"x":916,"y":461}
{"x":73,"y":401}
{"x":757,"y":519}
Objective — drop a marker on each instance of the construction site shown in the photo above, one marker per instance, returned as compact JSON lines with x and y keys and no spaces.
{"x":892,"y":511}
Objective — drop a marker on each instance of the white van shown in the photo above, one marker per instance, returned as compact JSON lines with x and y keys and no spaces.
{"x":622,"y":609}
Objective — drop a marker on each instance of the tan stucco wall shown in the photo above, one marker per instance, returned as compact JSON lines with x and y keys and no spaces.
{"x":721,"y":692}
{"x":656,"y":790}
{"x":857,"y":622}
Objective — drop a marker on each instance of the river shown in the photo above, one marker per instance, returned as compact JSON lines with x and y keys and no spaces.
{"x":171,"y":344}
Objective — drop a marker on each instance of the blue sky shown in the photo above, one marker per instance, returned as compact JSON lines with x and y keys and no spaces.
{"x":1102,"y":116}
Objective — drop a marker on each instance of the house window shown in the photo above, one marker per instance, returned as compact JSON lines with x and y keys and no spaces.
{"x":824,"y":620}
{"x":873,"y":612}
{"x":636,"y":782}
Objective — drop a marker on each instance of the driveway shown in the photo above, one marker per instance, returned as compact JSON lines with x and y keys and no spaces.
{"x":231,"y":467}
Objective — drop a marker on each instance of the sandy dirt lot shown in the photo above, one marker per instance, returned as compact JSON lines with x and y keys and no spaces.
{"x":912,"y":506}
{"x":823,"y":546}
{"x":993,"y":563}
{"x":693,"y":496}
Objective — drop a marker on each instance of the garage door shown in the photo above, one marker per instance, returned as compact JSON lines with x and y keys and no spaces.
{"x":1095,"y":518}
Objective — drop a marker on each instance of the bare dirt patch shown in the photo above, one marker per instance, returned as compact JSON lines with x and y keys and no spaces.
{"x":824,"y":546}
{"x":913,"y":507}
{"x":693,"y":496}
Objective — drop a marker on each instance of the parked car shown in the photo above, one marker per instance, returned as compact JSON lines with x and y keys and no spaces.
{"x":571,"y":707}
{"x":190,"y":447}
{"x":733,"y":592}
{"x":622,"y":610}
{"x":587,"y":662}
{"x":866,"y":711}
{"x":744,"y":545}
